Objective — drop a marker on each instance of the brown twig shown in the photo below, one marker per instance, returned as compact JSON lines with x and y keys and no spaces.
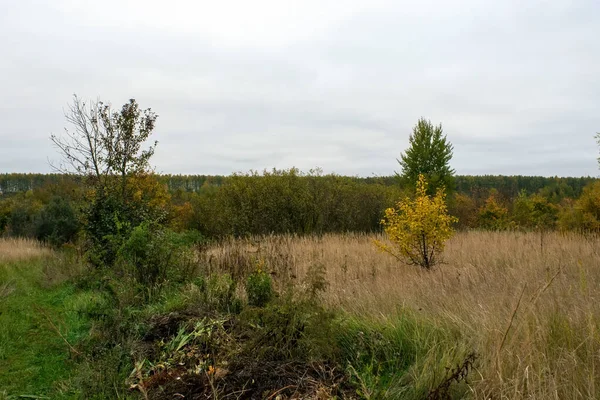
{"x":272,"y":396}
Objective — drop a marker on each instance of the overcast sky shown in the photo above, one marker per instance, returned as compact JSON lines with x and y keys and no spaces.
{"x":242,"y":85}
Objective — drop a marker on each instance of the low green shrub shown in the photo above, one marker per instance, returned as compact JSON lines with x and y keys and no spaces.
{"x":259,"y":288}
{"x":57,"y":223}
{"x":291,"y":327}
{"x":220,"y":293}
{"x":187,"y":238}
{"x":21,"y":222}
{"x":155,"y":257}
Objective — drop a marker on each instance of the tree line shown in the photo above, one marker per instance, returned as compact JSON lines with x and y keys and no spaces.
{"x":478,"y":186}
{"x":290,"y":201}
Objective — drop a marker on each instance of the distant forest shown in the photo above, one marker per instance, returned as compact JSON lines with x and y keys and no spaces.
{"x":478,"y":186}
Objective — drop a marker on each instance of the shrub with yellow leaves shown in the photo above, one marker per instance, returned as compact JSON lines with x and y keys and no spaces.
{"x":419,"y":228}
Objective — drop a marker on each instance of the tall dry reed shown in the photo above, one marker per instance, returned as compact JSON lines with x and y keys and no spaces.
{"x":21,"y":249}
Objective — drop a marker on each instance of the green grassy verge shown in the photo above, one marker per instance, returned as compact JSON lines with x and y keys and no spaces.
{"x":64,"y":340}
{"x":34,"y":359}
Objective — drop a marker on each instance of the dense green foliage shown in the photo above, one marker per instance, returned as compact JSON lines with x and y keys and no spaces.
{"x":289,"y":201}
{"x":583,"y":213}
{"x":149,"y":254}
{"x":477,"y":186}
{"x":58,"y":223}
{"x":429,"y":154}
{"x":259,"y":288}
{"x":508,"y":187}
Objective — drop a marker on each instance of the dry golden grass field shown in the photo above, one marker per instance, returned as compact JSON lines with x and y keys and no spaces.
{"x":527,"y":304}
{"x":21,"y":249}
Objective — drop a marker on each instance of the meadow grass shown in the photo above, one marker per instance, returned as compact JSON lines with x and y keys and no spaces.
{"x":519,"y":311}
{"x":525,"y":303}
{"x":37,"y":322}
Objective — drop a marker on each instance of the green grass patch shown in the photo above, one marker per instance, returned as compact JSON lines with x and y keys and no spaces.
{"x":406,"y":356}
{"x":34,"y":358}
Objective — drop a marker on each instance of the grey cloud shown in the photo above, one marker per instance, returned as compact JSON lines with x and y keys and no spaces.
{"x":514,"y":86}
